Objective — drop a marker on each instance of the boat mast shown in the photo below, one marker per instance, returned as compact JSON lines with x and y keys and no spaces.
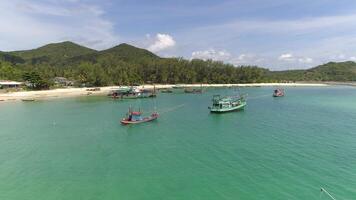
{"x":326,"y":192}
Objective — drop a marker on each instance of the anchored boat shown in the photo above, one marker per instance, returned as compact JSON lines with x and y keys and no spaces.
{"x":279,"y":92}
{"x":135,"y":117}
{"x":227,"y":104}
{"x":194,"y":90}
{"x":166,"y":91}
{"x":132,"y":93}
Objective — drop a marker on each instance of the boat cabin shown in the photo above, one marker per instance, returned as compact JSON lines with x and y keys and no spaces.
{"x":135,"y":116}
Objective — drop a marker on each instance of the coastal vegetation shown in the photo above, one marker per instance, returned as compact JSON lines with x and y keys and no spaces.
{"x":127,"y":65}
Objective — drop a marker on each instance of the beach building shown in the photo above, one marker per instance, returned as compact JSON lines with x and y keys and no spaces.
{"x":4,"y":84}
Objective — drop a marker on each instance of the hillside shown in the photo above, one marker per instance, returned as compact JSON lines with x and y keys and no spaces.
{"x":8,"y":57}
{"x":128,"y":53}
{"x":332,"y":71}
{"x":126,"y":64}
{"x":53,"y":53}
{"x":120,"y":53}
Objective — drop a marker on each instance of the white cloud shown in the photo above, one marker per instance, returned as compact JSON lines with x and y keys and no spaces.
{"x":212,"y":54}
{"x":286,"y":57}
{"x":268,"y":37}
{"x":161,"y":42}
{"x":352,"y":58}
{"x":29,"y":24}
{"x":227,"y":57}
{"x":305,"y":60}
{"x":340,"y":56}
{"x":289,"y":57}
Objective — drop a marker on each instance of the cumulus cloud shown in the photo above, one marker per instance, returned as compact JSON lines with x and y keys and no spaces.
{"x":289,"y":57}
{"x":28,"y":24}
{"x":161,"y":42}
{"x":286,"y":57}
{"x":227,"y":57}
{"x":212,"y":54}
{"x":305,"y":60}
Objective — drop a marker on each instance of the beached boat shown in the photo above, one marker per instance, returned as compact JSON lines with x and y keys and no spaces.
{"x":178,"y":86}
{"x":193,"y":90}
{"x":135,"y":117}
{"x":227,"y":104}
{"x":166,"y":91}
{"x":132,"y":93}
{"x":279,"y":92}
{"x":28,"y":100}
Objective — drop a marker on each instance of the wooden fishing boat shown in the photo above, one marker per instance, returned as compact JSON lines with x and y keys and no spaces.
{"x":227,"y":104}
{"x":135,"y":117}
{"x":166,"y":91}
{"x":193,"y":90}
{"x":178,"y":86}
{"x":28,"y":100}
{"x":279,"y":92}
{"x":132,"y":93}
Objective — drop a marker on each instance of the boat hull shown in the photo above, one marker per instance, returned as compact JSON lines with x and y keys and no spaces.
{"x":146,"y":119}
{"x":278,"y":95}
{"x":231,"y":109}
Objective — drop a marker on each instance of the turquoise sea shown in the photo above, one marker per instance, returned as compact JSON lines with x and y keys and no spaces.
{"x":277,"y":148}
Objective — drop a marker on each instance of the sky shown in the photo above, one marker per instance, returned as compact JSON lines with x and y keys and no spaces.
{"x":275,"y":34}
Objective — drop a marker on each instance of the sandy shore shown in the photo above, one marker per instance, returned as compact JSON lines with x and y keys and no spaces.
{"x":76,"y":92}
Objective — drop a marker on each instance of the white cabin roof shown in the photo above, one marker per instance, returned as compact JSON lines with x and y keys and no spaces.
{"x":10,"y":83}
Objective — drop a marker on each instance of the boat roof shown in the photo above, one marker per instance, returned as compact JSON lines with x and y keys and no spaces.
{"x":136,"y":113}
{"x":219,"y":99}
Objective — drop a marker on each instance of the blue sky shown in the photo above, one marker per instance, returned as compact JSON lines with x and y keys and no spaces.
{"x":277,"y":34}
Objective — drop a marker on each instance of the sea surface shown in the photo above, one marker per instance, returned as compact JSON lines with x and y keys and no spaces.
{"x":277,"y":148}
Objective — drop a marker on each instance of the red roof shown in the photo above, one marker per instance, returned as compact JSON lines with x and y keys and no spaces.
{"x":136,"y":113}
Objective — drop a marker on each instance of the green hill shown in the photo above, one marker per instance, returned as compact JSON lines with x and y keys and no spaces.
{"x":53,"y":53}
{"x":8,"y":57}
{"x":128,"y":53}
{"x":126,"y":64}
{"x":332,"y":71}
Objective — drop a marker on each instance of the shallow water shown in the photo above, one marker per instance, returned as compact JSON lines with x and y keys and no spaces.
{"x":278,"y":148}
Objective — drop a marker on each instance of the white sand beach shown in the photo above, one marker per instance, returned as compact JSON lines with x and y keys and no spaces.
{"x":76,"y":92}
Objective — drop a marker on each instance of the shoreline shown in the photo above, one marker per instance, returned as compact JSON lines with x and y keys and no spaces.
{"x":77,"y":92}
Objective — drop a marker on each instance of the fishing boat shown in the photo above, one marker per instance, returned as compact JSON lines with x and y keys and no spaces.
{"x":279,"y":92}
{"x":178,"y":86}
{"x":193,"y":90}
{"x":227,"y":104}
{"x":28,"y":100}
{"x":135,"y":117}
{"x":166,"y":91}
{"x":132,"y":93}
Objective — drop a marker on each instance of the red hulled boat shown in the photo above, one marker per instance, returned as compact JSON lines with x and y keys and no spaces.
{"x":278,"y":92}
{"x":135,"y":117}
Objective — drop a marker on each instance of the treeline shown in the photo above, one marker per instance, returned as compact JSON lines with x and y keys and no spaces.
{"x":127,"y":65}
{"x":116,"y":72}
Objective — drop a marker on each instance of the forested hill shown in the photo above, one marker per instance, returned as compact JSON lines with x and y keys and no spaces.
{"x":125,"y":64}
{"x":53,"y":53}
{"x":332,"y":71}
{"x":122,"y":64}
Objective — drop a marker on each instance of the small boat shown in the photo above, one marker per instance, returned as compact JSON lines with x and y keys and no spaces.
{"x":166,"y":91}
{"x":193,"y":90}
{"x":227,"y":104}
{"x":178,"y":86}
{"x":131,"y":93}
{"x":27,"y":100}
{"x":279,"y":92}
{"x":135,"y":117}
